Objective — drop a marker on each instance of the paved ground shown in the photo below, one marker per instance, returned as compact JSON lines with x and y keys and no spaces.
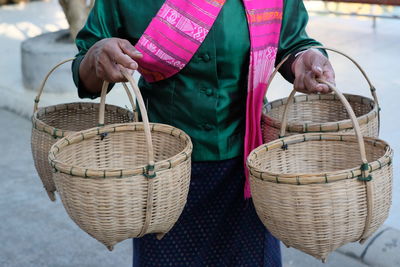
{"x":36,"y":232}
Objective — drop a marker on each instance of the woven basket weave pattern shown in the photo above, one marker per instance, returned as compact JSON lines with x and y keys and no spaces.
{"x":319,"y":218}
{"x":40,"y":146}
{"x":63,"y":120}
{"x":126,"y":146}
{"x":111,"y":209}
{"x":319,"y":191}
{"x":292,"y":219}
{"x":330,"y":114}
{"x":321,"y":156}
{"x":100,"y":206}
{"x":81,"y":116}
{"x":321,"y":113}
{"x":54,"y":122}
{"x":123,"y":181}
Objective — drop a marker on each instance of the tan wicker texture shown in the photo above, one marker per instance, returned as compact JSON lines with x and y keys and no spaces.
{"x":124,"y":180}
{"x":311,"y":193}
{"x":54,"y":122}
{"x":321,"y":113}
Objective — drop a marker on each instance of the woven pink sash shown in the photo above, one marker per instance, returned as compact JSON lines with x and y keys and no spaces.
{"x":180,"y":27}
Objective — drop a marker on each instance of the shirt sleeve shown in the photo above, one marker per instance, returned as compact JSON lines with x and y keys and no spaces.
{"x":103,"y":22}
{"x":293,"y":36}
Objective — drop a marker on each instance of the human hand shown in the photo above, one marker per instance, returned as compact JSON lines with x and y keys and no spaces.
{"x":106,"y":59}
{"x":308,"y":67}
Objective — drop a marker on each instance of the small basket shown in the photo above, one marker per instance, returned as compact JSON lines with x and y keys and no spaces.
{"x":54,"y":122}
{"x":321,"y":113}
{"x":124,"y":180}
{"x":311,"y":193}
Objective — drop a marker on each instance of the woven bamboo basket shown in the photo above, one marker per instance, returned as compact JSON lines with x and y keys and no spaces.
{"x":315,"y":193}
{"x":124,"y":180}
{"x":321,"y":113}
{"x":51,"y":123}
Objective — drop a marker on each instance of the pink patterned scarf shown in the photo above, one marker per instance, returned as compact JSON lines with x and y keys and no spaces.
{"x":180,"y":27}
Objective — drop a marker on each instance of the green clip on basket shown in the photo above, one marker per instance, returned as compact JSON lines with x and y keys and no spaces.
{"x":124,"y":180}
{"x":321,"y":113}
{"x":314,"y":193}
{"x":54,"y":122}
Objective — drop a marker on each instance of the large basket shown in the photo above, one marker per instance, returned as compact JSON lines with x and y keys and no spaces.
{"x":311,"y":193}
{"x":124,"y":180}
{"x":321,"y":113}
{"x":54,"y":122}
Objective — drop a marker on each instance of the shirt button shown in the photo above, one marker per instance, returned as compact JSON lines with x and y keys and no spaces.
{"x":209,"y":92}
{"x":206,"y":57}
{"x":207,"y":127}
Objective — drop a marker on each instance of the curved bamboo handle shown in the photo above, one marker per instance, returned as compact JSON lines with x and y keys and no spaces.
{"x":132,"y":101}
{"x":41,"y":87}
{"x":365,"y":176}
{"x":43,"y":84}
{"x":353,"y":118}
{"x":150,"y":171}
{"x":372,"y":87}
{"x":102,"y":107}
{"x":150,"y":156}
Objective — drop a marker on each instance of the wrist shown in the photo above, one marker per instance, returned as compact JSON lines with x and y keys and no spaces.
{"x":87,"y":75}
{"x":297,"y":57}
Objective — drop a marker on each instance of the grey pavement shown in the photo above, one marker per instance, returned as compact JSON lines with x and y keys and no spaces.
{"x":35,"y":231}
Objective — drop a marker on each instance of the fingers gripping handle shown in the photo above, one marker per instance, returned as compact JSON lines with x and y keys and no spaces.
{"x":372,"y":87}
{"x":43,"y":84}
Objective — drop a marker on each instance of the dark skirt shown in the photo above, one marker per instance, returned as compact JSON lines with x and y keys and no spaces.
{"x":217,"y":227}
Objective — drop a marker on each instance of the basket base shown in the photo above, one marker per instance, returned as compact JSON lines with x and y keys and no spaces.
{"x":51,"y":195}
{"x":160,"y":236}
{"x":110,"y":248}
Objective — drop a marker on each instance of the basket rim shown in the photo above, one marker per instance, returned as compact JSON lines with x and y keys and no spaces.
{"x":80,"y":136}
{"x":316,"y":178}
{"x":41,"y":126}
{"x":315,"y":127}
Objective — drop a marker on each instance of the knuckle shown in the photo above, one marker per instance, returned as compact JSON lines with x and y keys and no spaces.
{"x":125,"y":42}
{"x":102,"y":62}
{"x":109,"y":45}
{"x":100,"y":73}
{"x":102,"y":59}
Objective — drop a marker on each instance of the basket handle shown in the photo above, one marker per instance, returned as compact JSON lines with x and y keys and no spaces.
{"x":43,"y":84}
{"x":41,"y":87}
{"x":150,"y":172}
{"x":350,"y":111}
{"x":150,"y":168}
{"x":365,"y":175}
{"x":371,"y":86}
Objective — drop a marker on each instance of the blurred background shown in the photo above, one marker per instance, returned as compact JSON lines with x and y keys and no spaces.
{"x":35,"y":35}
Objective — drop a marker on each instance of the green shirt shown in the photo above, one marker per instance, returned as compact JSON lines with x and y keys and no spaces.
{"x":207,"y":98}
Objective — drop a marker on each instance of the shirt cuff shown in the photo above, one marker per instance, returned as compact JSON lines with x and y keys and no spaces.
{"x":286,"y":68}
